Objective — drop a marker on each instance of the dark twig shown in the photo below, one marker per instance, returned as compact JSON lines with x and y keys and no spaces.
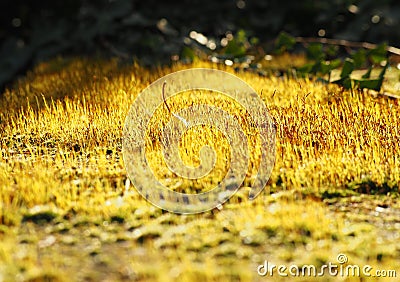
{"x":163,"y":96}
{"x":346,"y":43}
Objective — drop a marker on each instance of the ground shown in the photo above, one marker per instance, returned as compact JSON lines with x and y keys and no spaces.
{"x":69,"y":213}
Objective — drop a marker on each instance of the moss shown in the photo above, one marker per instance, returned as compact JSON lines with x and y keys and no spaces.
{"x":334,"y":188}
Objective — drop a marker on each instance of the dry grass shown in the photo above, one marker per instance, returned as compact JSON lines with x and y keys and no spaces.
{"x":66,"y":212}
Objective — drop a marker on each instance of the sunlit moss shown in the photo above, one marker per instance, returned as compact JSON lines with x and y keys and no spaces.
{"x":61,"y":131}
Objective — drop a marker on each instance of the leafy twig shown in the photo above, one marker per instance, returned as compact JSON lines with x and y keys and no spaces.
{"x":346,"y":43}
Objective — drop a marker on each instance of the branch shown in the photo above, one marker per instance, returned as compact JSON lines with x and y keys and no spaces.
{"x":346,"y":43}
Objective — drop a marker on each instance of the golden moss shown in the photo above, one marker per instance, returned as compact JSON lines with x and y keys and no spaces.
{"x":61,"y":129}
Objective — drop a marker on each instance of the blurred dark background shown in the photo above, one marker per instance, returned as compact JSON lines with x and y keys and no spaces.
{"x":155,"y":31}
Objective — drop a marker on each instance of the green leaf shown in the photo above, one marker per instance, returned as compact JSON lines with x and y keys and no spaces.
{"x":188,"y":54}
{"x":379,"y":54}
{"x":365,"y":82}
{"x":347,"y":83}
{"x":285,"y":42}
{"x":240,"y":37}
{"x":315,"y":52}
{"x":335,"y":63}
{"x":254,"y":40}
{"x":332,"y":50}
{"x":235,"y":49}
{"x":383,"y":71}
{"x":368,"y":73}
{"x":328,"y":66}
{"x":347,"y":69}
{"x":316,"y":67}
{"x":374,"y":84}
{"x":305,"y":68}
{"x":359,"y":58}
{"x":237,"y":46}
